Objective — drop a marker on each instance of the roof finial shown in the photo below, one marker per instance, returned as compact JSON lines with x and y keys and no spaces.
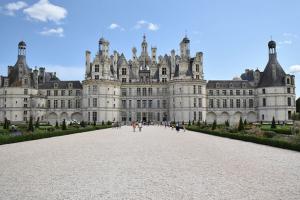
{"x":144,"y":37}
{"x":185,"y":33}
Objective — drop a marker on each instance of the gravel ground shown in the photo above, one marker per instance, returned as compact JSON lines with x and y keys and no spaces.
{"x":157,"y":163}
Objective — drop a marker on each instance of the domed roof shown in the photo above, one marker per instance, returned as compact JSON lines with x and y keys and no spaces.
{"x":102,"y":40}
{"x":22,"y":43}
{"x":185,"y":39}
{"x":272,"y":44}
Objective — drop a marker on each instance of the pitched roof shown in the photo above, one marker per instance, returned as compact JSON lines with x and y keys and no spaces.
{"x":61,"y":85}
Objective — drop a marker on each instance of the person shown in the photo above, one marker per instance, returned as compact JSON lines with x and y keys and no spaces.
{"x":140,"y":126}
{"x":133,"y":126}
{"x":183,"y":126}
{"x":177,"y":126}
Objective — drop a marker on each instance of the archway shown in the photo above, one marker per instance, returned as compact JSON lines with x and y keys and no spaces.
{"x":223,"y":117}
{"x":251,"y":117}
{"x":76,"y":116}
{"x":52,"y":118}
{"x":211,"y":117}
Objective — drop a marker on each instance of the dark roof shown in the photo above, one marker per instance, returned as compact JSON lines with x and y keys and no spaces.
{"x":185,"y":40}
{"x":61,"y":85}
{"x":22,"y":43}
{"x":273,"y":74}
{"x":228,"y":84}
{"x":272,"y":44}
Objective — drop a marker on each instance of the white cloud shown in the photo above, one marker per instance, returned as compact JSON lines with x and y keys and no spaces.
{"x":11,"y":8}
{"x":153,"y":27}
{"x":67,"y":72}
{"x":294,"y":69}
{"x":116,"y":26}
{"x":45,"y":11}
{"x":53,"y":32}
{"x":149,"y":25}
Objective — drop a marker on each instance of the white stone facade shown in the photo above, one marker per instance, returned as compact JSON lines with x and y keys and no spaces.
{"x":147,"y":88}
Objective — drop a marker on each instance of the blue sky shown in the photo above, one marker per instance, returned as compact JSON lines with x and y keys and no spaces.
{"x":232,"y":34}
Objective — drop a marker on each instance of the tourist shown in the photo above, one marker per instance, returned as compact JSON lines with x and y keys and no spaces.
{"x":133,"y":126}
{"x":140,"y":126}
{"x":183,"y":126}
{"x":177,"y":127}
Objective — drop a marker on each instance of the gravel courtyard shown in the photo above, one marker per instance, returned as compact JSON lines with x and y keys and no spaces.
{"x":157,"y":163}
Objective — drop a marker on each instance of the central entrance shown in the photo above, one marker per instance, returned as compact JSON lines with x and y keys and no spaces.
{"x":144,"y":117}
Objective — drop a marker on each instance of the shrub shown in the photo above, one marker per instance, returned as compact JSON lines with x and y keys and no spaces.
{"x":226,"y":123}
{"x":189,"y":123}
{"x":245,"y":122}
{"x":37,"y":123}
{"x":102,"y":123}
{"x":56,"y":125}
{"x":108,"y":123}
{"x":94,"y":124}
{"x":269,"y":134}
{"x":82,"y":124}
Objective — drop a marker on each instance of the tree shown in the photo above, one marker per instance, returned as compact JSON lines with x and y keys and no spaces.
{"x":298,"y":105}
{"x":56,"y":125}
{"x":64,"y":126}
{"x":189,"y":123}
{"x":95,"y":123}
{"x":37,"y":123}
{"x":214,"y":125}
{"x":273,"y":125}
{"x":82,"y":123}
{"x":30,"y":124}
{"x":241,"y":125}
{"x":245,"y":122}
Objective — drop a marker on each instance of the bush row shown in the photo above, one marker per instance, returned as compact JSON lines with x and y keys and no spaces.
{"x":250,"y":138}
{"x":277,"y":130}
{"x":7,"y":139}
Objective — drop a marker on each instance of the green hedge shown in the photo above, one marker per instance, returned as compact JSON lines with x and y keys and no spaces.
{"x":250,"y":138}
{"x":277,"y":130}
{"x":7,"y":139}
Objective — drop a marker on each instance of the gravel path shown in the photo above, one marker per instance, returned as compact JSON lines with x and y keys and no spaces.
{"x":155,"y":164}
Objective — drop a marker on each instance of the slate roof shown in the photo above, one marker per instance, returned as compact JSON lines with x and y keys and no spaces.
{"x":227,"y":84}
{"x":267,"y":79}
{"x":61,"y":85}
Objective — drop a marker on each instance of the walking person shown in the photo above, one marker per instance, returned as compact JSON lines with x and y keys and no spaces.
{"x":140,"y":126}
{"x":133,"y":126}
{"x":177,"y":127}
{"x":183,"y":126}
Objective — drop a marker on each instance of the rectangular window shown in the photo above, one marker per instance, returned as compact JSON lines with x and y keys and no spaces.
{"x":164,"y":104}
{"x":96,"y":77}
{"x":25,"y":99}
{"x":211,"y":103}
{"x":200,"y":116}
{"x":78,"y":103}
{"x":200,"y":102}
{"x":158,"y":103}
{"x":69,"y":104}
{"x":70,"y":92}
{"x":48,"y":93}
{"x":250,"y":92}
{"x":96,"y":68}
{"x":264,"y":91}
{"x":138,"y":103}
{"x":150,"y":91}
{"x":94,"y":102}
{"x":144,"y":91}
{"x":48,"y":104}
{"x":218,"y":92}
{"x":138,"y":91}
{"x":210,"y":92}
{"x":123,"y":80}
{"x":62,"y":104}
{"x":199,"y":89}
{"x":94,"y":116}
{"x":25,"y":91}
{"x":195,"y":102}
{"x":264,"y":102}
{"x":123,"y":71}
{"x":164,"y":80}
{"x":150,"y":104}
{"x":123,"y":103}
{"x":197,"y":67}
{"x":55,"y":103}
{"x":218,"y":103}
{"x":55,"y":92}
{"x":158,"y":116}
{"x":194,"y":89}
{"x":231,"y":103}
{"x":164,"y":71}
{"x":289,"y":115}
{"x":238,"y":92}
{"x":244,"y":92}
{"x":251,"y":103}
{"x":224,"y":103}
{"x":289,"y":101}
{"x":144,"y":104}
{"x":195,"y":116}
{"x":124,"y":92}
{"x":288,"y":90}
{"x":95,"y":88}
{"x":224,"y":92}
{"x":62,"y":92}
{"x":25,"y":105}
{"x":238,"y":103}
{"x":231,"y":92}
{"x":244,"y":103}
{"x":89,"y":116}
{"x":129,"y":104}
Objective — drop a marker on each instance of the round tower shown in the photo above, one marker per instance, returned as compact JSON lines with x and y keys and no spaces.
{"x":22,"y":48}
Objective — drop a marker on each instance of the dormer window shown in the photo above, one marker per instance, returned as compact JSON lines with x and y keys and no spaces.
{"x":55,"y":85}
{"x":70,"y":85}
{"x":288,"y":80}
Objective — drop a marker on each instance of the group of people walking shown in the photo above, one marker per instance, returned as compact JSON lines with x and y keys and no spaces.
{"x":138,"y":125}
